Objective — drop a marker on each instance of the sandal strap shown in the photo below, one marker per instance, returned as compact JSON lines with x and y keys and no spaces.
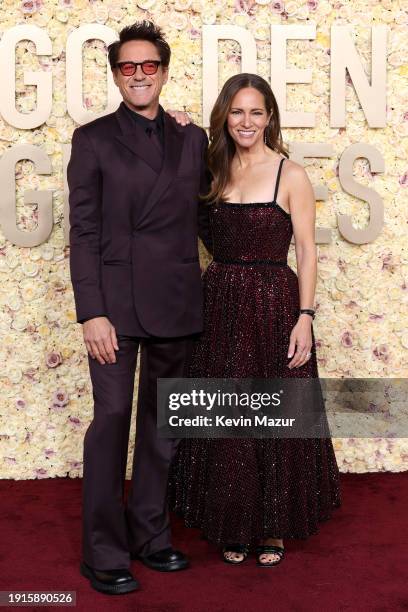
{"x":236,"y":548}
{"x":262,"y":550}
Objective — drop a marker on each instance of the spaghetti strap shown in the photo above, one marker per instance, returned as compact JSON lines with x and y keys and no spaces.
{"x":278,"y":179}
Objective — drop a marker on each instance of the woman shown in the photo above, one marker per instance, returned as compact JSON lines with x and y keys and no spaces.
{"x":255,"y":492}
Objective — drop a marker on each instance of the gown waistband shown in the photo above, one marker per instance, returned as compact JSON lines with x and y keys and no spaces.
{"x":252,"y":262}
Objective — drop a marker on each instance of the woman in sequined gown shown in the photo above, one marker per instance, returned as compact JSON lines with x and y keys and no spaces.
{"x":246,"y":493}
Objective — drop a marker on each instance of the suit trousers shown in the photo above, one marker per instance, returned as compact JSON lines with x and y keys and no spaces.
{"x":115,"y":528}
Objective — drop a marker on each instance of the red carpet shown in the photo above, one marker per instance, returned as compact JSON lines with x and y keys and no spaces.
{"x":358,"y":561}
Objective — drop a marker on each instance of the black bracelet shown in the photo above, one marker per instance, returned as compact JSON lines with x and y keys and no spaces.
{"x":308,"y":311}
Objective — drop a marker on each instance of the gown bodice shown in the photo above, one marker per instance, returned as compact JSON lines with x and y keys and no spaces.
{"x":251,"y":233}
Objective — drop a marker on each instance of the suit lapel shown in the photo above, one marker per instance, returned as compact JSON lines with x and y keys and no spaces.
{"x":134,"y":138}
{"x":173,"y":146}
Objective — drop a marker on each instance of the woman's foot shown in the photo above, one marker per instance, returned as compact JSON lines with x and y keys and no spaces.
{"x":268,"y":558}
{"x":235,"y":553}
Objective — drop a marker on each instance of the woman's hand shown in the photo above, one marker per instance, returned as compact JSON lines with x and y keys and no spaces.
{"x":181,"y":117}
{"x":301,"y":338}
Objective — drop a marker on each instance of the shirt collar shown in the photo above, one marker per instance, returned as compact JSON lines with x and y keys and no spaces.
{"x":144,"y":122}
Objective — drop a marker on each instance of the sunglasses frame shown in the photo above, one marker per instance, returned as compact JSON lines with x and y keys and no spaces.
{"x":157,"y":63}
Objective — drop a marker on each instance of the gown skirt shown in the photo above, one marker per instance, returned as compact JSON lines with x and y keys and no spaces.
{"x":241,"y":490}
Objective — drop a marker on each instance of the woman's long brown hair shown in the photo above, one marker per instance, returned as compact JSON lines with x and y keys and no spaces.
{"x":222,"y":146}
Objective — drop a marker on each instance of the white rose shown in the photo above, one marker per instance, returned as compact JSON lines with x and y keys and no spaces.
{"x":146,"y":4}
{"x":14,"y":375}
{"x":19,"y":322}
{"x":30,"y":268}
{"x":47,"y":252}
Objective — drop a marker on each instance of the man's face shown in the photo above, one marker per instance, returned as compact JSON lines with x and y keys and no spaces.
{"x":140,"y":92}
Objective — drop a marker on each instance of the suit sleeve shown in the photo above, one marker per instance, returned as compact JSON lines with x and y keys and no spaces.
{"x":204,"y":228}
{"x":85,"y":217}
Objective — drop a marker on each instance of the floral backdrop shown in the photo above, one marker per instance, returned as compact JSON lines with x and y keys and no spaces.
{"x":361,"y":327}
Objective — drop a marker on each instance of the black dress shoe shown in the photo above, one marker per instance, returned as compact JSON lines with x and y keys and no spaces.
{"x":166,"y":560}
{"x":112,"y":582}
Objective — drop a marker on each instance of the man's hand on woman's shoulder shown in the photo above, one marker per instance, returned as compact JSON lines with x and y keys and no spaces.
{"x":182,"y":117}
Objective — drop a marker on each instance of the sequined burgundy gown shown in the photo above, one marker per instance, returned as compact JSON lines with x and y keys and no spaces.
{"x":243,"y":490}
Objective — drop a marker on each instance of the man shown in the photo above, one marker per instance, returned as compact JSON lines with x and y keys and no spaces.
{"x":134,"y":178}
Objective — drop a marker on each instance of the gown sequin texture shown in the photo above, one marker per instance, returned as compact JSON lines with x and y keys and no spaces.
{"x":243,"y":490}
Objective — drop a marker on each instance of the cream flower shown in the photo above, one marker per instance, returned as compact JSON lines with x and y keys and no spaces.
{"x":209,"y":15}
{"x":30,"y":268}
{"x":146,"y":4}
{"x":182,"y":5}
{"x":19,"y":322}
{"x":178,"y":20}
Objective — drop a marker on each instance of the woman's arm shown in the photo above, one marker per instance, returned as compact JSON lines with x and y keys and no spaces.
{"x":303,"y":212}
{"x":302,"y":205}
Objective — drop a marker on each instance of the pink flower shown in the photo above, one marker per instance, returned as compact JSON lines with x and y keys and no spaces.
{"x":31,"y":6}
{"x":30,"y":373}
{"x":53,"y":359}
{"x":312,"y":5}
{"x":277,"y":7}
{"x":49,"y":452}
{"x":20,"y":403}
{"x":41,"y":473}
{"x":60,"y":398}
{"x":341,"y":264}
{"x":388,"y":263}
{"x":28,"y":6}
{"x":75,"y":421}
{"x":244,"y":6}
{"x":403,"y":180}
{"x":65,"y":3}
{"x":346,"y":339}
{"x":381,"y":353}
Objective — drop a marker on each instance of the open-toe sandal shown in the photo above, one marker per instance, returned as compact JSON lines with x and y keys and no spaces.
{"x":240,"y":549}
{"x":268,"y":549}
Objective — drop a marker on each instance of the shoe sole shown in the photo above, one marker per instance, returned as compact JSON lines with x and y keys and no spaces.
{"x":104,"y":588}
{"x":272,"y":564}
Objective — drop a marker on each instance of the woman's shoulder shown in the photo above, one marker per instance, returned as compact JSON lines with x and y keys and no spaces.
{"x":294,"y":171}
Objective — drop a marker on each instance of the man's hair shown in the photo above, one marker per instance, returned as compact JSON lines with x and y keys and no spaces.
{"x":141,"y":30}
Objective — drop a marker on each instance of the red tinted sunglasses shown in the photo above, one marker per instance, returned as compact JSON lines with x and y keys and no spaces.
{"x":129,"y":68}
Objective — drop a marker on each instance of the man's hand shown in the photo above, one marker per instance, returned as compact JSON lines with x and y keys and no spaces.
{"x":181,"y":117}
{"x":100,"y":339}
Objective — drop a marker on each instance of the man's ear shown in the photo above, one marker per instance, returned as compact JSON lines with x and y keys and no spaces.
{"x":114,"y":77}
{"x":165,"y":74}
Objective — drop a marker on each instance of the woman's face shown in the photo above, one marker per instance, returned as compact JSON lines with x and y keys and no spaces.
{"x":247,"y":117}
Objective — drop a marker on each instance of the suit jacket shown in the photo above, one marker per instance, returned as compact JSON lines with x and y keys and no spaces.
{"x":134,"y":225}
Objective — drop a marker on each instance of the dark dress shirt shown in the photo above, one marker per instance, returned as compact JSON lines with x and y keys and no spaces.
{"x":156,"y":124}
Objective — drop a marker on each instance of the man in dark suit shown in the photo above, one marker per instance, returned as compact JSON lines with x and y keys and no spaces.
{"x":134,"y":178}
